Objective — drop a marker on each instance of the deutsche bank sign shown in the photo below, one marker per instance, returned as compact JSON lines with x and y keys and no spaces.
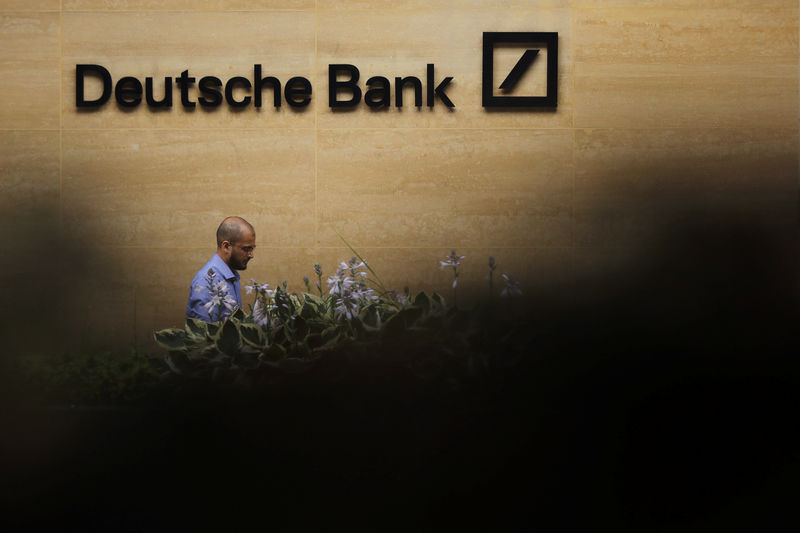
{"x":530,"y":48}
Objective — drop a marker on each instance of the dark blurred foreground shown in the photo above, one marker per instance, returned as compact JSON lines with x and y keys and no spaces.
{"x":659,"y":396}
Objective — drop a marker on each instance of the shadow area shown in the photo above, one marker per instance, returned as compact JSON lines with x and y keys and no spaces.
{"x":657,"y":393}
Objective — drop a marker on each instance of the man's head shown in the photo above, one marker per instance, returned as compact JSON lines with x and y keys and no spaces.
{"x":236,"y":242}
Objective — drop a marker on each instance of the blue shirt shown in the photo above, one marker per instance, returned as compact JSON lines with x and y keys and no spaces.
{"x":199,"y":298}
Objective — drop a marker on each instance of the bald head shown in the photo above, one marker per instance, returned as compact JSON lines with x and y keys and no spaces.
{"x":232,"y":229}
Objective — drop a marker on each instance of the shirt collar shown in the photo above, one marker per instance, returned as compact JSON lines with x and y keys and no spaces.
{"x":224,"y":269}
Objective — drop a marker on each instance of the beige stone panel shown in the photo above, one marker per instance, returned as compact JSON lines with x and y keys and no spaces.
{"x":543,"y":4}
{"x":711,"y":37}
{"x":27,"y":36}
{"x":686,"y":160}
{"x":681,"y":68}
{"x":172,"y":188}
{"x":160,"y":45}
{"x":30,"y":95}
{"x":185,"y":5}
{"x":445,"y":188}
{"x":29,"y":69}
{"x":29,"y":203}
{"x":670,"y":96}
{"x":30,"y":5}
{"x":693,"y":4}
{"x":392,"y":5}
{"x":379,"y":46}
{"x":29,"y":164}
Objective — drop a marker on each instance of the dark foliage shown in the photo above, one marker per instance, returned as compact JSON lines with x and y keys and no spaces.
{"x":658,"y":398}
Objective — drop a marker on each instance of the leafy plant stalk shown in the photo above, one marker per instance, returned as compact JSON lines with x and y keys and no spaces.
{"x":379,"y":284}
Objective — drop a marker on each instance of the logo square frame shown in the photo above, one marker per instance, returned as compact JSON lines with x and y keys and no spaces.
{"x":492,"y":38}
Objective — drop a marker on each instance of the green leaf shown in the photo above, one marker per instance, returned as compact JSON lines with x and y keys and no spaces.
{"x":314,"y":340}
{"x":296,"y":303}
{"x":332,"y":343}
{"x":237,"y":315}
{"x":198,"y":353}
{"x":371,"y":318}
{"x":330,"y":332}
{"x":228,"y":340}
{"x":357,"y":325}
{"x":387,"y":311}
{"x":300,"y":328}
{"x":171,"y":339}
{"x":178,"y":362}
{"x":252,"y":335}
{"x":210,"y":352}
{"x":274,"y":352}
{"x":317,"y":325}
{"x":212,"y":328}
{"x":279,"y":335}
{"x":399,"y":323}
{"x":195,"y":329}
{"x":438,"y":299}
{"x":309,"y":311}
{"x":422,"y":300}
{"x":314,"y":299}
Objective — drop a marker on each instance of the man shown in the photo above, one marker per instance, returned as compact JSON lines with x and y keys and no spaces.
{"x":215,"y":291}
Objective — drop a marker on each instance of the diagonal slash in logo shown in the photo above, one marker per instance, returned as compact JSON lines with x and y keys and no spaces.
{"x":519,"y":69}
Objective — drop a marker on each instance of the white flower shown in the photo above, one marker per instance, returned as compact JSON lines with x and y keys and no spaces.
{"x":260,"y":316}
{"x":230,"y":303}
{"x":349,"y":287}
{"x":452,"y":260}
{"x":220,"y":303}
{"x":347,"y":306}
{"x":213,"y":303}
{"x":221,"y":287}
{"x":512,"y":288}
{"x":255,"y":286}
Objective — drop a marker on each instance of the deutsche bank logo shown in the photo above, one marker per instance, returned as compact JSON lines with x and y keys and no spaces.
{"x":530,"y":44}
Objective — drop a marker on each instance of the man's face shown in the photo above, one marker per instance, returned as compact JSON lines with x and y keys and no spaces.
{"x":242,"y":251}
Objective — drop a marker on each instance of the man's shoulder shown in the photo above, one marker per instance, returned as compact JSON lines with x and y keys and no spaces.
{"x":199,"y":277}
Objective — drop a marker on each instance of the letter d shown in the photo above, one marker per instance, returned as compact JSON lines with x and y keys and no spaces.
{"x":80,"y":74}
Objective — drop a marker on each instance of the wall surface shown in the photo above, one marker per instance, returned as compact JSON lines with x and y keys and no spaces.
{"x":666,"y":108}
